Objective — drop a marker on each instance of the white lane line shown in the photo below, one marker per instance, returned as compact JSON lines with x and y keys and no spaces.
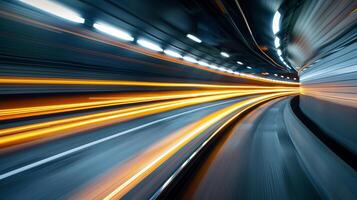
{"x":68,"y":152}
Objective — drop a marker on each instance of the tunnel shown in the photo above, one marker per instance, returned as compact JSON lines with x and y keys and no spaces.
{"x":178,"y":99}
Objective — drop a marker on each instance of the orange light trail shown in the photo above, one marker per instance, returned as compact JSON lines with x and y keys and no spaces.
{"x":13,"y":110}
{"x":122,"y":180}
{"x":71,"y":125}
{"x":59,"y":81}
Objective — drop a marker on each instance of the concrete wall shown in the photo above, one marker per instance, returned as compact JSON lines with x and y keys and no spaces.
{"x":329,"y":94}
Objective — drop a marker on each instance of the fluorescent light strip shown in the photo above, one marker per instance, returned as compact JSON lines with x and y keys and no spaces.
{"x":149,"y":45}
{"x":189,"y":59}
{"x":248,"y":67}
{"x":230,"y":71}
{"x":277,"y":42}
{"x":194,"y":38}
{"x":113,"y":31}
{"x":203,"y":63}
{"x":281,"y":58}
{"x":222,"y":69}
{"x":172,"y":53}
{"x":56,"y":9}
{"x":212,"y":66}
{"x":224,"y":54}
{"x":239,"y":62}
{"x":276,"y":22}
{"x":279,"y":52}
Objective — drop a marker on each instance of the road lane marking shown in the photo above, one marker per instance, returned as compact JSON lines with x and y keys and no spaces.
{"x":68,"y":152}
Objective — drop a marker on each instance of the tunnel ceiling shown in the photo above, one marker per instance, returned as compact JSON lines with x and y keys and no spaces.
{"x":242,"y":29}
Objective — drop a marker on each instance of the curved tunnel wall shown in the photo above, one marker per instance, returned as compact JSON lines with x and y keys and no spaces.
{"x":329,"y":95}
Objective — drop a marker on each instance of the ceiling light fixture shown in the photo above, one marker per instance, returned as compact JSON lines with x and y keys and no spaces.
{"x":277,"y":42}
{"x":56,"y":9}
{"x":276,"y":22}
{"x":194,"y":38}
{"x":212,"y":66}
{"x":172,"y":53}
{"x":224,"y":54}
{"x":189,"y":59}
{"x":222,"y":69}
{"x":113,"y":31}
{"x":203,"y":63}
{"x":149,"y":45}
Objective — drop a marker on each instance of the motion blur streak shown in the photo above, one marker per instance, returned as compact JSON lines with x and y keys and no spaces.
{"x":13,"y":110}
{"x":124,"y":179}
{"x":27,"y":133}
{"x":54,"y":81}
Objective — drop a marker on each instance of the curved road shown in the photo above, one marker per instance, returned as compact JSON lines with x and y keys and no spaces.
{"x":258,"y":159}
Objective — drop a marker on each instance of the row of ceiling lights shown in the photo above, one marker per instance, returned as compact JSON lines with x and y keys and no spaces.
{"x":276,"y":29}
{"x":68,"y":14}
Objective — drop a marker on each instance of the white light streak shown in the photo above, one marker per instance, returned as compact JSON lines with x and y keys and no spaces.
{"x":56,"y":9}
{"x":189,"y":59}
{"x":224,"y":54}
{"x":277,"y":42}
{"x":113,"y":31}
{"x":172,"y":53}
{"x":276,"y":22}
{"x":149,"y":45}
{"x":194,"y":38}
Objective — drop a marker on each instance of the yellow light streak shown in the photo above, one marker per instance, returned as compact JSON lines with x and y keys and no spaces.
{"x":71,"y":125}
{"x":100,"y":101}
{"x":59,"y":81}
{"x":122,"y":180}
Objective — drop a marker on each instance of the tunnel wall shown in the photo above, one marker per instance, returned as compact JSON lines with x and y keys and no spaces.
{"x":329,"y":95}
